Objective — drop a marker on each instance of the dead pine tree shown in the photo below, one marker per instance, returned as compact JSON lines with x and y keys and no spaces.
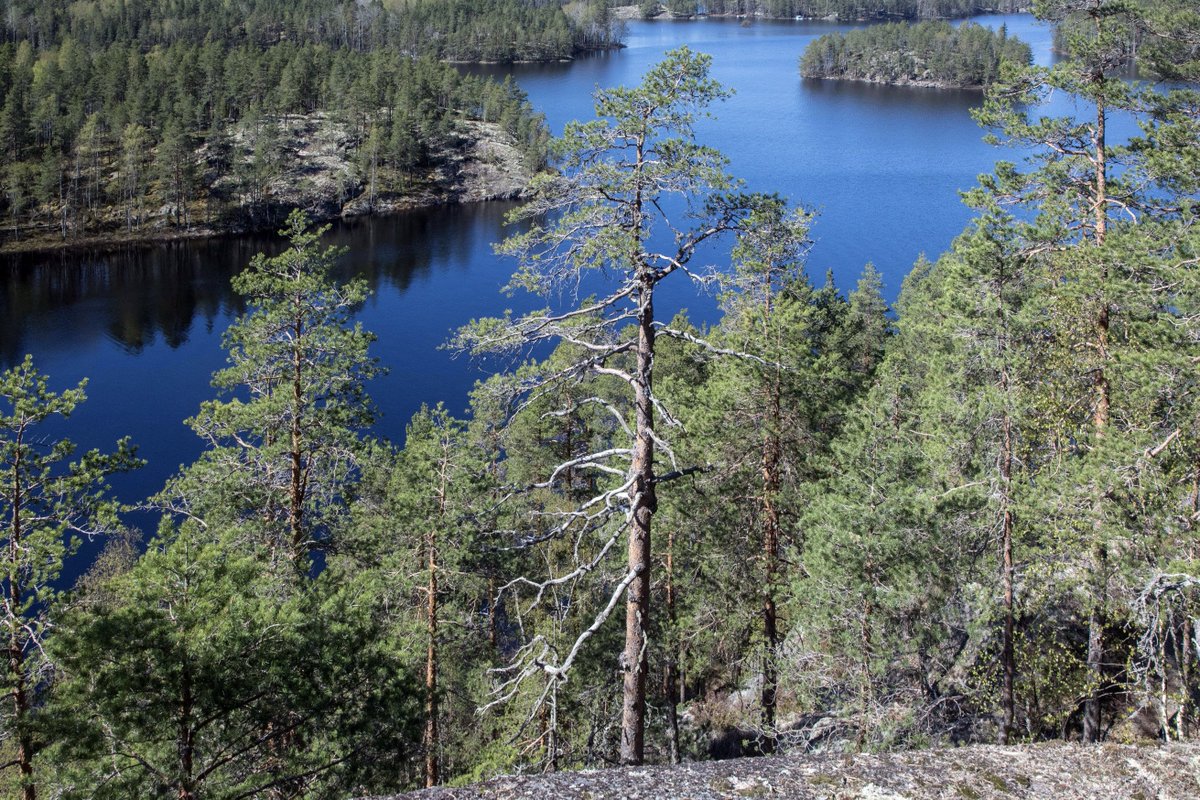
{"x":634,"y":197}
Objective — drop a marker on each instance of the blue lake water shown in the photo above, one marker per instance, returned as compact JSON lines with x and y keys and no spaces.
{"x":881,"y":165}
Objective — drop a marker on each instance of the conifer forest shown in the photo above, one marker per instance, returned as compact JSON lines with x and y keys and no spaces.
{"x":821,"y":522}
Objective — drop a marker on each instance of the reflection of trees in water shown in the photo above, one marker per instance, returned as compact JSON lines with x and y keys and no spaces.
{"x":136,"y":295}
{"x":404,"y":248}
{"x":919,"y":99}
{"x":132,"y":295}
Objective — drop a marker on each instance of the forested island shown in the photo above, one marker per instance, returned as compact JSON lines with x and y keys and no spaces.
{"x":815,"y":524}
{"x":147,"y":119}
{"x":843,"y":10}
{"x":923,"y":54}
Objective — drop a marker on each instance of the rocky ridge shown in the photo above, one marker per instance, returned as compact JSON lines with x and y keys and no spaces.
{"x":1063,"y":770}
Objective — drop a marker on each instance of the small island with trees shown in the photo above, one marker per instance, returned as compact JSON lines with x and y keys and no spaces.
{"x":935,"y":54}
{"x":843,"y":10}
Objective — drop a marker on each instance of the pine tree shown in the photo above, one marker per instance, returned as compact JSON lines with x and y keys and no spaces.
{"x":618,"y":173}
{"x":46,"y":503}
{"x":201,"y":672}
{"x":281,"y":460}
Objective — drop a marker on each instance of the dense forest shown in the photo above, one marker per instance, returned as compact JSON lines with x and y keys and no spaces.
{"x":499,"y":29}
{"x":821,"y":524}
{"x":843,"y":9}
{"x":935,"y":53}
{"x":116,"y":116}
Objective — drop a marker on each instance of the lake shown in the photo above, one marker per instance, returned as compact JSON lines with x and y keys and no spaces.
{"x":881,"y":165}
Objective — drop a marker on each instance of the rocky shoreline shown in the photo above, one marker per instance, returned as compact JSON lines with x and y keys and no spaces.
{"x":1069,"y":771}
{"x":915,"y":84}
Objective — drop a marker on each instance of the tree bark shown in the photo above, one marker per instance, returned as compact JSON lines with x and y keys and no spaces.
{"x":432,"y":734}
{"x":1008,"y":657}
{"x":770,"y":511}
{"x":671,"y":668}
{"x":1096,"y":618}
{"x":772,"y":455}
{"x":296,"y":489}
{"x":643,"y":504}
{"x":16,"y":649}
{"x":431,"y":669}
{"x":1095,"y":651}
{"x":186,"y":742}
{"x":866,"y":688}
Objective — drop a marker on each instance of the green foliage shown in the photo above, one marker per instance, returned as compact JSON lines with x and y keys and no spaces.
{"x":834,"y":494}
{"x":865,"y":9}
{"x":198,"y":673}
{"x":46,"y":503}
{"x":283,"y":450}
{"x":492,"y":30}
{"x":762,"y":412}
{"x":1031,"y":396}
{"x":211,"y":116}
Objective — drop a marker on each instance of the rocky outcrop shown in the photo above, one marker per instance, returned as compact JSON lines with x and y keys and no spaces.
{"x":1052,"y":770}
{"x":317,"y":167}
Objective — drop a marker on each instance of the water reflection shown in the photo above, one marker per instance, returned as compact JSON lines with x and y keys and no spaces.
{"x":137,"y":296}
{"x":919,"y":99}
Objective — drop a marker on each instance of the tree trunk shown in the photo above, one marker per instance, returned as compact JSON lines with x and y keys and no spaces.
{"x":1095,"y":651}
{"x":186,"y":742}
{"x":772,"y":455}
{"x":1183,"y":657}
{"x":643,"y":504}
{"x":1096,"y":618}
{"x":671,"y":669}
{"x":491,"y":606}
{"x":432,"y":735}
{"x":431,"y":670}
{"x":770,"y":511}
{"x":16,"y":650}
{"x":1008,"y":657}
{"x":866,"y":688}
{"x":296,"y":489}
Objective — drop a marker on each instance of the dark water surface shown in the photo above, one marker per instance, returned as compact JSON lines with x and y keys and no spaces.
{"x":882,"y":165}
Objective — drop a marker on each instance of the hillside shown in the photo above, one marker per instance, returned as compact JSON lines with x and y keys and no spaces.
{"x":146,"y":127}
{"x":1059,"y":770}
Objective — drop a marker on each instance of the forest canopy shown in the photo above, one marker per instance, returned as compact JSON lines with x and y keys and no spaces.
{"x":116,"y":118}
{"x":849,"y":10}
{"x":504,"y":30}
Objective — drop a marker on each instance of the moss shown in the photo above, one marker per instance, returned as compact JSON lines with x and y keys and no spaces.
{"x":966,"y":792}
{"x":996,"y":781}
